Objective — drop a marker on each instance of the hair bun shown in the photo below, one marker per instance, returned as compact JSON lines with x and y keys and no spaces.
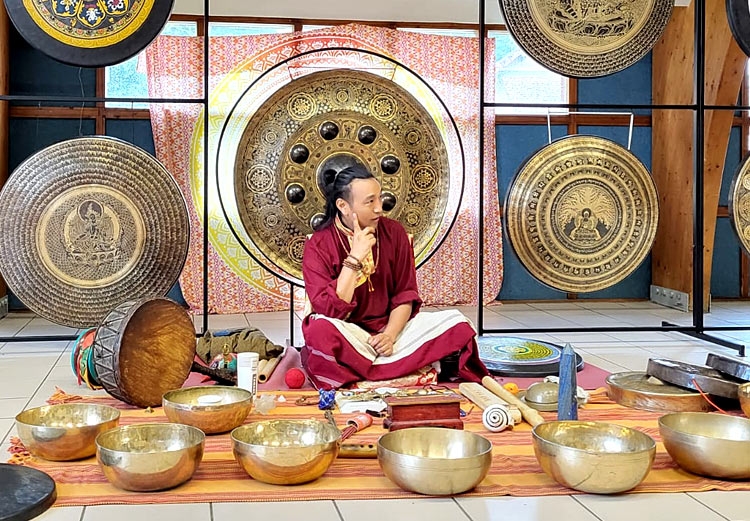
{"x":329,"y":176}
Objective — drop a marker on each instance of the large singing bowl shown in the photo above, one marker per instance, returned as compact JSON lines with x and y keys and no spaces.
{"x":434,"y":461}
{"x":593,"y":457}
{"x":714,"y":445}
{"x":211,"y":408}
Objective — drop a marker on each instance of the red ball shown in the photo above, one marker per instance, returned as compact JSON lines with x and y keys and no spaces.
{"x":295,"y":378}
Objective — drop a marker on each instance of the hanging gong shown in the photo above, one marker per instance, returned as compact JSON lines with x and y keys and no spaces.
{"x":739,"y":204}
{"x":87,"y":224}
{"x":581,"y":214}
{"x":323,"y":122}
{"x":89,"y":33}
{"x":738,"y":15}
{"x":586,"y":38}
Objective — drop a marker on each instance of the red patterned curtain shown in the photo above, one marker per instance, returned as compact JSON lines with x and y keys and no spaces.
{"x":236,"y":282}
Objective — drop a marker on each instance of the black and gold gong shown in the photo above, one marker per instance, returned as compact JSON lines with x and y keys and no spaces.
{"x":581,"y":214}
{"x":586,"y":38}
{"x":322,"y":122}
{"x":89,"y":33}
{"x":739,"y":204}
{"x":738,"y":16}
{"x":87,"y":224}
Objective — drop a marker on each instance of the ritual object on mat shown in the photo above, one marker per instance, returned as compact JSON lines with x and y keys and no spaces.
{"x":89,"y":34}
{"x":567,"y":400}
{"x":582,"y":41}
{"x":521,"y":357}
{"x":82,"y":360}
{"x":239,"y":340}
{"x":729,"y":366}
{"x":143,"y":349}
{"x":423,"y":411}
{"x":542,"y":396}
{"x":356,"y":424}
{"x":27,"y":493}
{"x":581,"y":214}
{"x":744,"y":394}
{"x":226,"y":361}
{"x":211,"y":408}
{"x":593,"y":457}
{"x":218,"y":375}
{"x":358,"y":450}
{"x":265,"y":403}
{"x":496,"y":418}
{"x":360,"y":401}
{"x":66,"y":431}
{"x":99,"y":220}
{"x":638,"y":390}
{"x":738,"y":15}
{"x":531,"y":417}
{"x":265,"y":372}
{"x":696,"y":377}
{"x":286,"y":452}
{"x":295,"y":378}
{"x":482,"y":397}
{"x":150,"y":456}
{"x":714,"y":445}
{"x":434,"y":461}
{"x":326,"y":399}
{"x":247,"y":371}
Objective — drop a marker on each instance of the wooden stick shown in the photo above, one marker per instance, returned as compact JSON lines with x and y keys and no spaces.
{"x":268,"y":369}
{"x":531,"y":416}
{"x":262,"y":365}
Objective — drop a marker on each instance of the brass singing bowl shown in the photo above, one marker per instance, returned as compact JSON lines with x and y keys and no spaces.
{"x":211,"y":408}
{"x":593,"y":457}
{"x":714,"y":445}
{"x":286,"y":452}
{"x":66,"y":431}
{"x":150,"y":456}
{"x":434,"y":461}
{"x":744,"y":395}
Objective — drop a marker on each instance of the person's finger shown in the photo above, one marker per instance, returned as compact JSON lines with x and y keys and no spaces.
{"x":356,"y":222}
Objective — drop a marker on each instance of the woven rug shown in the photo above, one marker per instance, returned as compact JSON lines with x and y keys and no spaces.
{"x":219,"y":478}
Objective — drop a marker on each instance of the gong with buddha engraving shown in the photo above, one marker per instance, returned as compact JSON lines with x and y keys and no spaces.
{"x":89,"y":33}
{"x":88,"y":223}
{"x":319,"y":124}
{"x":739,"y":204}
{"x":586,"y":38}
{"x":581,"y":214}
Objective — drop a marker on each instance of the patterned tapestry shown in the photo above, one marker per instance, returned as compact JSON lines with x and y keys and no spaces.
{"x":236,"y":281}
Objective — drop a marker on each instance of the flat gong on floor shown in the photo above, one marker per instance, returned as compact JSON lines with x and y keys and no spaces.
{"x":88,"y":223}
{"x":581,"y":214}
{"x":89,"y":33}
{"x":289,"y":149}
{"x":586,"y":38}
{"x":521,"y":357}
{"x":739,"y":203}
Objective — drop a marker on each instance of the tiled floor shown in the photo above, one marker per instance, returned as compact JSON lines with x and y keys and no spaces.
{"x":30,"y":371}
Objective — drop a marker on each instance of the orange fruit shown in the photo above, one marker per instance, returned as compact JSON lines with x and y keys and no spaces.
{"x":511,"y":388}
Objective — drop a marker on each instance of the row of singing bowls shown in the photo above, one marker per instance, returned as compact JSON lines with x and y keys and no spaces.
{"x":211,"y":408}
{"x":65,"y":432}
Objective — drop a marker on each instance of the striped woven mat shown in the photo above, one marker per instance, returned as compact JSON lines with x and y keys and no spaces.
{"x":219,"y":478}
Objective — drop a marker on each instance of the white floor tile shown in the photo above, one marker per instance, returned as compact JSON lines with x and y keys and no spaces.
{"x":5,"y":428}
{"x":550,"y":508}
{"x":11,"y":325}
{"x":42,"y":327}
{"x":735,"y":506}
{"x":187,"y":512}
{"x":647,"y":507}
{"x":601,"y":362}
{"x":61,"y":514}
{"x":631,"y":358}
{"x":392,"y":509}
{"x":57,"y":346}
{"x":290,"y":510}
{"x":10,"y":407}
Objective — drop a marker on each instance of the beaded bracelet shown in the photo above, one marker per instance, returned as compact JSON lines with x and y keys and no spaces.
{"x":352,"y":266}
{"x":356,"y":262}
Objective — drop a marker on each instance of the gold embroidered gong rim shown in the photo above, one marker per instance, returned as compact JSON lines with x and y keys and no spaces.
{"x":88,"y":223}
{"x":586,"y":38}
{"x":582,"y":213}
{"x":739,"y":204}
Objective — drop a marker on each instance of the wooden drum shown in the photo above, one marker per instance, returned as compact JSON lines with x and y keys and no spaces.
{"x":143,"y":349}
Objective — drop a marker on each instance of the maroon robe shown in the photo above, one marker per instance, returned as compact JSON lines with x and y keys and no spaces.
{"x":329,"y":358}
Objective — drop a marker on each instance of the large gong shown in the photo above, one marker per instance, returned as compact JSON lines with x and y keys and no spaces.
{"x":325,"y":121}
{"x":586,"y":38}
{"x":739,"y":204}
{"x":738,"y":16}
{"x":581,"y":214}
{"x":89,"y":33}
{"x":87,"y":224}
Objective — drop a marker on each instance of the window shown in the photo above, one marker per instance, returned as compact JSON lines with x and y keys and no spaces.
{"x":245,"y":29}
{"x":469,"y":33}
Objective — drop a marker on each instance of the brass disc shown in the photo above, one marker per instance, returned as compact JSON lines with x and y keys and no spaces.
{"x":87,"y":224}
{"x":586,"y":38}
{"x":329,"y":120}
{"x":640,"y":391}
{"x":581,"y":214}
{"x":739,"y":204}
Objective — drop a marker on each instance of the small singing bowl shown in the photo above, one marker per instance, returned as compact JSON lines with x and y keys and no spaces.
{"x":744,"y":395}
{"x":286,"y":452}
{"x":434,"y":461}
{"x":593,"y":457}
{"x":714,"y":445}
{"x":65,"y":432}
{"x":211,"y":408}
{"x":150,"y":456}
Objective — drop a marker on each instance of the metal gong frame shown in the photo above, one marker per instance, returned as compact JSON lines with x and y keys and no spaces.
{"x":698,"y":329}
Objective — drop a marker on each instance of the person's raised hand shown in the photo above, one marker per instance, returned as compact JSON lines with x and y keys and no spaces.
{"x":382,"y":343}
{"x":363,"y":240}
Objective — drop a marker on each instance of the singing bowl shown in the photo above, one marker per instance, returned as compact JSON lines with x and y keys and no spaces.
{"x":434,"y":461}
{"x":66,"y":431}
{"x":150,"y":456}
{"x":211,"y":408}
{"x":286,"y":452}
{"x":714,"y":445}
{"x":744,"y":394}
{"x":593,"y":457}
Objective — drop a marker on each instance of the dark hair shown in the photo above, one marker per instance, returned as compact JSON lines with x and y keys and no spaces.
{"x":338,"y":186}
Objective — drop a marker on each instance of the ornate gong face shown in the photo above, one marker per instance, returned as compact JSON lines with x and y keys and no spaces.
{"x":582,"y":213}
{"x":739,"y":204}
{"x":330,"y":120}
{"x":586,"y":38}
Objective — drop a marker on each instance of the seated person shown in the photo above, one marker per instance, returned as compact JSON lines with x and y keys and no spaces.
{"x":360,"y":278}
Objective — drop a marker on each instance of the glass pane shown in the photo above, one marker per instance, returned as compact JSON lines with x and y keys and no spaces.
{"x":315,"y":27}
{"x":519,"y":79}
{"x":470,"y":33}
{"x":245,"y":29}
